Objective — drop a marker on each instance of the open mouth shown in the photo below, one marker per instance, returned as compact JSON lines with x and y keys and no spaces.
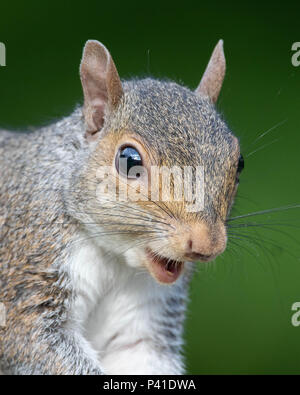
{"x":163,"y":269}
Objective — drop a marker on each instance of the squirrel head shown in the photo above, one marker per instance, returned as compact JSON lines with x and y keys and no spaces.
{"x":163,"y":167}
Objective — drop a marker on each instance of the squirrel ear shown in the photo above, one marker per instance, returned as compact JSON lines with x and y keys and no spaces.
{"x":102,"y":87}
{"x":213,"y":77}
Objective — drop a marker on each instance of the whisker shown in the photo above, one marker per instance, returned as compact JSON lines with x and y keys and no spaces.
{"x":268,"y":131}
{"x":166,"y":209}
{"x":260,"y":240}
{"x":113,"y":233}
{"x":262,"y":147}
{"x":239,"y":245}
{"x":268,"y":211}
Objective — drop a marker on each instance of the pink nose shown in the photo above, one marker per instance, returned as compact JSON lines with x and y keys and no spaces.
{"x":203,"y":242}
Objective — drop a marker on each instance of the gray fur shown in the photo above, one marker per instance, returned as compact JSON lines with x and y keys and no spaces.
{"x":42,"y":192}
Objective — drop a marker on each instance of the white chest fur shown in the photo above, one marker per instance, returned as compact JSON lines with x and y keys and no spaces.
{"x":117,"y":308}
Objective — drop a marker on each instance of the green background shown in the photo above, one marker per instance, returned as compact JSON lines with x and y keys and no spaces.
{"x":239,"y":320}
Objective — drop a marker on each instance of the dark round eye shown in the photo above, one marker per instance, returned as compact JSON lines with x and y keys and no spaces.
{"x":240,"y":167}
{"x":127,"y":158}
{"x":241,"y":164}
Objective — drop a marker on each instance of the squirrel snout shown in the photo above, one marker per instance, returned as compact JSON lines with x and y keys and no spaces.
{"x":203,"y":243}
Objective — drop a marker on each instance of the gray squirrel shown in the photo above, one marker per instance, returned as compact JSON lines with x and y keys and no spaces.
{"x":93,"y":284}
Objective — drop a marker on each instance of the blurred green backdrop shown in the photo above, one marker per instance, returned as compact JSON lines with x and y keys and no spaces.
{"x":239,"y":319}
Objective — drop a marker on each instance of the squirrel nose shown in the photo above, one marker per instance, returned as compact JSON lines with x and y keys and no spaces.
{"x":205,"y":243}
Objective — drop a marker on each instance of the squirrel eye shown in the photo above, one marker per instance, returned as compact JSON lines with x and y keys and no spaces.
{"x":240,"y":167}
{"x":241,"y":164}
{"x":127,"y":158}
